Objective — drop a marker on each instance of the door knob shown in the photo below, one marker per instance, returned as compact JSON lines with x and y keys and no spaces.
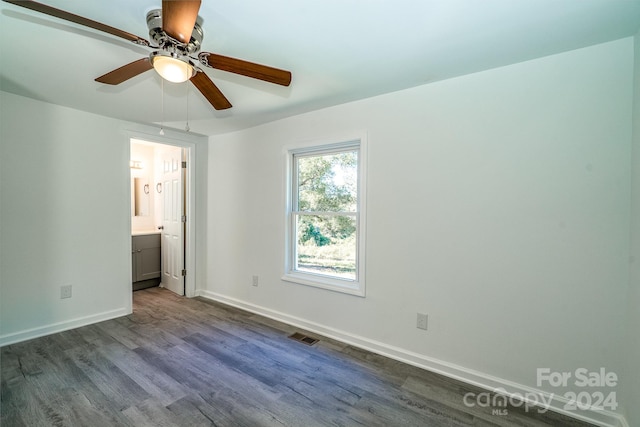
{"x":160,"y":227}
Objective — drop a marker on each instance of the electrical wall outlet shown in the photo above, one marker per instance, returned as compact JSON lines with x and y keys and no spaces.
{"x":421,"y":322}
{"x":254,"y":281}
{"x":65,"y":291}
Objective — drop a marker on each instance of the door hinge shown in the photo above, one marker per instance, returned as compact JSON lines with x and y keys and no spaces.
{"x":184,"y":272}
{"x":184,"y":218}
{"x":184,"y":165}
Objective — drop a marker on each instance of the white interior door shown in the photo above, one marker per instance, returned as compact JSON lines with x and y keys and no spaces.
{"x":173,"y":226}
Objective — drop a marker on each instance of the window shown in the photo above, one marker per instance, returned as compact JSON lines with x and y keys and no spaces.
{"x":325,"y":217}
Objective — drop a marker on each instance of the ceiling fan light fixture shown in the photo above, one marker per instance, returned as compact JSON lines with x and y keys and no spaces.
{"x":172,"y":69}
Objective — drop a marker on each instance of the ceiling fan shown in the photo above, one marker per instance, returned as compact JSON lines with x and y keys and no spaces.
{"x":177,"y":39}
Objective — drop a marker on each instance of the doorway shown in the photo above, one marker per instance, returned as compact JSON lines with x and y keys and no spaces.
{"x":159,"y":194}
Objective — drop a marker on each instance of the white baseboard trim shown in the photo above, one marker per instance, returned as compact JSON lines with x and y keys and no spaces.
{"x":604,"y":418}
{"x":60,"y":326}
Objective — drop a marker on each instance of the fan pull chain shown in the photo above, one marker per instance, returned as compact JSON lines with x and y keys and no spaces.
{"x":162,"y":104}
{"x":187,"y":128}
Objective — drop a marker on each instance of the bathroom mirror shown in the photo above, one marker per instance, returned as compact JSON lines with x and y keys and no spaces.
{"x":141,"y":196}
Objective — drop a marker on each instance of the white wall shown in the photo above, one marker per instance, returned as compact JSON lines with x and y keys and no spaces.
{"x":144,"y":152}
{"x":633,"y":300}
{"x":498,"y":204}
{"x":65,"y":216}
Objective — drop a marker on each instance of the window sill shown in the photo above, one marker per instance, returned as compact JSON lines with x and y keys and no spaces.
{"x":317,"y":281}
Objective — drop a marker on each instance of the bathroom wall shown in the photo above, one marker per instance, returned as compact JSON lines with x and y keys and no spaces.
{"x":143,"y":154}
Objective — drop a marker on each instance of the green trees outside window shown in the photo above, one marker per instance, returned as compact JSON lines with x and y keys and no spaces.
{"x":326,"y":213}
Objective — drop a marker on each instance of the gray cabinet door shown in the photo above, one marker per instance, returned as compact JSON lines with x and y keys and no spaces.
{"x":147,"y":262}
{"x":134,"y":268}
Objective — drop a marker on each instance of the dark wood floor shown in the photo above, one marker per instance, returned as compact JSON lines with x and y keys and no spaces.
{"x":189,"y":362}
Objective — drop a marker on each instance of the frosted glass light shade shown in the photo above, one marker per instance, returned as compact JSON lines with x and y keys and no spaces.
{"x":172,"y":69}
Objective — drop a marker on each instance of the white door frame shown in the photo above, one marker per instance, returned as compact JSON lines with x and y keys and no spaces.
{"x":190,"y":226}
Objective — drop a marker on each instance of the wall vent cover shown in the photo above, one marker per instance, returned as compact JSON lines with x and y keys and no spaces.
{"x":304,"y":339}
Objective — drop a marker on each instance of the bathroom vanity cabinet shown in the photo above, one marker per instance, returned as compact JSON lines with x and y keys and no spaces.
{"x":146,"y":260}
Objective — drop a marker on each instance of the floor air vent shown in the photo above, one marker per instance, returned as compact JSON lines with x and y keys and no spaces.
{"x":303,"y":338}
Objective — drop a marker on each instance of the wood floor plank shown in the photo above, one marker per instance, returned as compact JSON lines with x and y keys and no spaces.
{"x":107,"y":377}
{"x":193,"y":362}
{"x":52,"y":390}
{"x":217,"y":375}
{"x":192,"y":411}
{"x":185,"y":371}
{"x":92,"y":334}
{"x":156,"y":383}
{"x":17,"y":397}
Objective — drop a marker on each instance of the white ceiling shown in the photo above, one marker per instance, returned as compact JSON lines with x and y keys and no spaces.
{"x":337,"y":51}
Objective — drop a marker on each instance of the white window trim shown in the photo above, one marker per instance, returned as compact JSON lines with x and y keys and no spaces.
{"x":352,"y":287}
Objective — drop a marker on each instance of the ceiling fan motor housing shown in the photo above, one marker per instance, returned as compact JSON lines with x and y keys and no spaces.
{"x":168,"y":43}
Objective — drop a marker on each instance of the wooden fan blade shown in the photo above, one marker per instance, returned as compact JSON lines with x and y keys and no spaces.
{"x":179,"y":17}
{"x":246,"y":68}
{"x":126,"y":72}
{"x":210,"y":91}
{"x":48,"y":10}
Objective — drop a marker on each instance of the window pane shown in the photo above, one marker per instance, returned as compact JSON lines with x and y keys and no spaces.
{"x":326,"y":244}
{"x":328,"y":183}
